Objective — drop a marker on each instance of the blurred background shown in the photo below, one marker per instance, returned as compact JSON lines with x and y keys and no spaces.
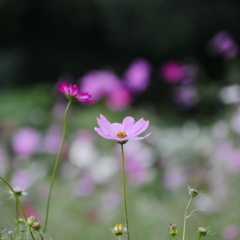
{"x":174,"y":63}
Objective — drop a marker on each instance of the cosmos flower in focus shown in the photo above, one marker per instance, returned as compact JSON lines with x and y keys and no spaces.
{"x":72,"y":93}
{"x":122,"y":132}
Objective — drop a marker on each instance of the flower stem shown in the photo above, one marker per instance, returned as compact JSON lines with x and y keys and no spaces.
{"x":56,"y":164}
{"x":185,"y":218}
{"x":18,"y":201}
{"x":124,"y":192}
{"x":17,"y":213}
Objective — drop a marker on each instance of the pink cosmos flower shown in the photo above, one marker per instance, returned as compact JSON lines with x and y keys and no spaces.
{"x":122,"y":132}
{"x":72,"y":93}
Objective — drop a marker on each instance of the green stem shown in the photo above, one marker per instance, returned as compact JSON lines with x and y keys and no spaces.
{"x":18,"y":201}
{"x":124,"y":192}
{"x":56,"y":164}
{"x":185,"y":218}
{"x":41,"y":236}
{"x":17,"y":213}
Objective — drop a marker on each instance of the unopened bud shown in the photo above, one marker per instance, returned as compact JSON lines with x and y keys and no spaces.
{"x":36,"y":226}
{"x":193,"y":192}
{"x":118,"y":229}
{"x":19,"y":191}
{"x":202,"y":231}
{"x":20,"y":220}
{"x":173,"y":229}
{"x":31,"y":221}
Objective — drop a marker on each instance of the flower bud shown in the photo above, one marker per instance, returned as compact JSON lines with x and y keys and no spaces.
{"x":202,"y":231}
{"x":31,"y":221}
{"x":36,"y":226}
{"x":20,"y":220}
{"x":19,"y":191}
{"x":118,"y":229}
{"x":173,"y":229}
{"x":193,"y":192}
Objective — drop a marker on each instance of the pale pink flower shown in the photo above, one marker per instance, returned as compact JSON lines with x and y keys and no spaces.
{"x":122,"y":132}
{"x":72,"y":93}
{"x":26,"y":141}
{"x":100,"y":83}
{"x":136,"y":78}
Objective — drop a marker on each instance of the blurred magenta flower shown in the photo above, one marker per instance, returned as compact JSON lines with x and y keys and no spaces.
{"x":136,"y":77}
{"x":121,"y":132}
{"x":26,"y":141}
{"x":119,"y":99}
{"x":72,"y":93}
{"x":223,"y":43}
{"x":106,"y":84}
{"x":173,"y":72}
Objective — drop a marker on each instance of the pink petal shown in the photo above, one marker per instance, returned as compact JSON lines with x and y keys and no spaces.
{"x":139,"y":126}
{"x":127,"y":123}
{"x":139,"y":138}
{"x":106,"y":125}
{"x":89,"y":101}
{"x":118,"y":127}
{"x":102,"y":133}
{"x":73,"y":90}
{"x":63,"y":87}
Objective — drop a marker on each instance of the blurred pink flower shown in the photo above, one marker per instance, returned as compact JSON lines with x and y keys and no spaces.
{"x":173,"y":72}
{"x":186,"y":95}
{"x":127,"y":130}
{"x":31,"y":211}
{"x":223,"y":43}
{"x":138,"y":166}
{"x":119,"y":99}
{"x":72,"y":93}
{"x":26,"y":141}
{"x":231,"y":232}
{"x":105,"y":84}
{"x":21,"y":179}
{"x":136,"y":77}
{"x":100,"y":83}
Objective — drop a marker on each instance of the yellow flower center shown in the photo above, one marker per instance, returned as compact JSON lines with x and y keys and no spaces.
{"x":121,"y":134}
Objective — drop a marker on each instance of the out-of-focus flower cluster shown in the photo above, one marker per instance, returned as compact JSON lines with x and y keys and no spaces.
{"x":119,"y":93}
